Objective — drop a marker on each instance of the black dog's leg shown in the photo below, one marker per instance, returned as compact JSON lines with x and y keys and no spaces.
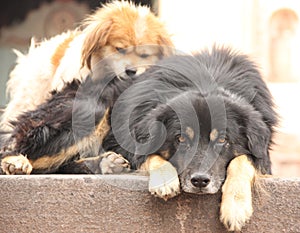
{"x":236,"y":205}
{"x":107,"y":163}
{"x":163,"y":177}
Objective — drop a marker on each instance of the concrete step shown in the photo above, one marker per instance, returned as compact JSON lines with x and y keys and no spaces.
{"x":121,"y":203}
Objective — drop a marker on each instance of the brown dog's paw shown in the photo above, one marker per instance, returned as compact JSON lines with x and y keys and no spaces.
{"x":16,"y":165}
{"x":113,"y":163}
{"x":164,"y":181}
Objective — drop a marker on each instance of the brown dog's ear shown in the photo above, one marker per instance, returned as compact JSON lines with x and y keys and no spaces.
{"x":97,"y":34}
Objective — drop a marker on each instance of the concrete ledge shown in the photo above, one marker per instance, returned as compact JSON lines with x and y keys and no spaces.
{"x":121,"y":203}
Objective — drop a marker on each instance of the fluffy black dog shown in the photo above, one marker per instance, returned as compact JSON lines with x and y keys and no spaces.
{"x":193,"y":121}
{"x":200,"y":122}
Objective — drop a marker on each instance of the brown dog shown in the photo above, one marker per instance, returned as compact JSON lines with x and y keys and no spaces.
{"x":126,"y":35}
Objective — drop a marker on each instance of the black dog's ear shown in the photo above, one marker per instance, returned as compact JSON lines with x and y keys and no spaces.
{"x":258,"y":135}
{"x":153,"y":129}
{"x":153,"y":123}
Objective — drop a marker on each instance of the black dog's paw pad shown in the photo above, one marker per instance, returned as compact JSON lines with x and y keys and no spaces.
{"x":113,"y":163}
{"x":16,"y":165}
{"x":164,"y":182}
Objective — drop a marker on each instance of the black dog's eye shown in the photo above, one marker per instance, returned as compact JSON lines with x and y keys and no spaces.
{"x":181,"y":139}
{"x":221,"y":140}
{"x":183,"y":142}
{"x":121,"y":50}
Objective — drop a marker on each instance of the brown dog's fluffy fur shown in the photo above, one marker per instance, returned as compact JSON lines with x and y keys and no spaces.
{"x":129,"y":37}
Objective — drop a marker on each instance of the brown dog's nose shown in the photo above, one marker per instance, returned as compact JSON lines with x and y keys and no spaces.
{"x":130,"y":71}
{"x":200,"y":180}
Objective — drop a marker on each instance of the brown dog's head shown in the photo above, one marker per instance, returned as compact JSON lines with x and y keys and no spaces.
{"x":129,"y":37}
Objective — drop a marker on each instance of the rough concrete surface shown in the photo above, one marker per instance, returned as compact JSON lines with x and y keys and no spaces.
{"x":121,"y":203}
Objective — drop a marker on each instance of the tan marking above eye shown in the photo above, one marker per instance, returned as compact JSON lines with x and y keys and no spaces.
{"x":214,"y":135}
{"x":190,"y":132}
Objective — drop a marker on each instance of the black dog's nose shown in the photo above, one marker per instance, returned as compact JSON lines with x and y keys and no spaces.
{"x":200,"y":181}
{"x":131,"y":71}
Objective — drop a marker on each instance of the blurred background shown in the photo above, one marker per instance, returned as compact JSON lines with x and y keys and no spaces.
{"x":269,"y":31}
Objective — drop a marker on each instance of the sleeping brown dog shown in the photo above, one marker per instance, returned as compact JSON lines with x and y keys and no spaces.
{"x":129,"y":37}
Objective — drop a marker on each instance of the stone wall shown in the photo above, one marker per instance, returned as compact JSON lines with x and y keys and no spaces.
{"x":121,"y":203}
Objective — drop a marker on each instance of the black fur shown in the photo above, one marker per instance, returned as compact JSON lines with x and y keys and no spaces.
{"x":212,"y":90}
{"x":218,"y":89}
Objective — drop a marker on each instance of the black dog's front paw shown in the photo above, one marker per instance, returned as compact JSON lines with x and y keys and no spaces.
{"x":16,"y":165}
{"x":113,"y":163}
{"x":164,"y":182}
{"x":236,"y":206}
{"x":107,"y":163}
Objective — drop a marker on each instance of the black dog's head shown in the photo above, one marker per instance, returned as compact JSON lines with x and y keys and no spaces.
{"x":202,"y":134}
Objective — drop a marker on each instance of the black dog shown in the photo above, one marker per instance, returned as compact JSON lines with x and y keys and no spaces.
{"x":190,"y":120}
{"x":198,"y":117}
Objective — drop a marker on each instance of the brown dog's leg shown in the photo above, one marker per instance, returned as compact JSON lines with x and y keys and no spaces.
{"x":236,"y":205}
{"x":163,"y":180}
{"x":16,"y":164}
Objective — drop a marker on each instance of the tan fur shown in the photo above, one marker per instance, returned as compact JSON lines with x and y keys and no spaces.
{"x":214,"y":135}
{"x":54,"y":161}
{"x":153,"y":162}
{"x":163,"y":177}
{"x":190,"y":133}
{"x":236,"y":206}
{"x":165,"y":154}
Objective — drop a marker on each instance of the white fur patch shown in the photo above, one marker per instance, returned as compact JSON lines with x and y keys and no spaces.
{"x":141,"y":23}
{"x":31,"y":79}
